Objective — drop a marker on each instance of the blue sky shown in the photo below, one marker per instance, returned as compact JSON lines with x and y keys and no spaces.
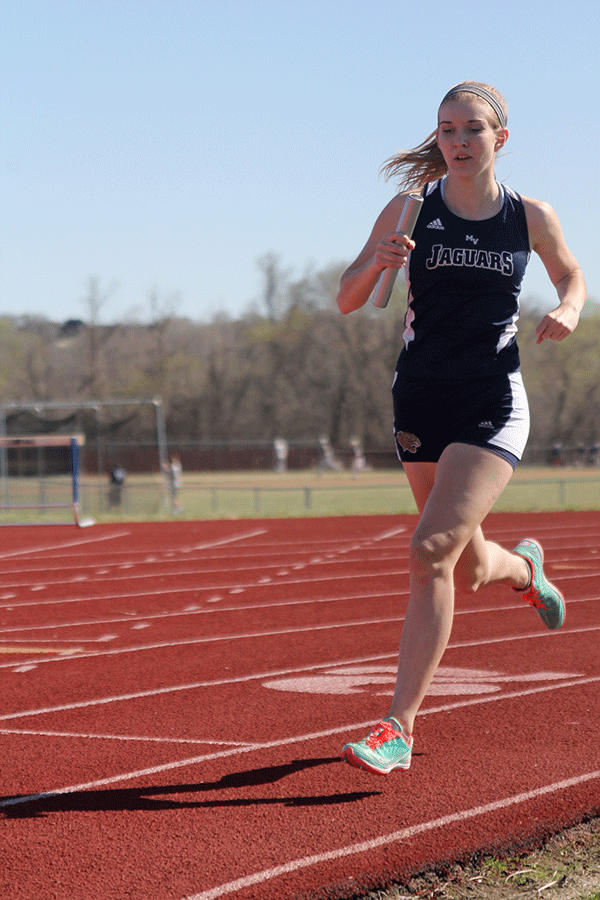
{"x":168,"y":144}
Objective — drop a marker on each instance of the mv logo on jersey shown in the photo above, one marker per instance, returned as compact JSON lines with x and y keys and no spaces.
{"x":471,"y":258}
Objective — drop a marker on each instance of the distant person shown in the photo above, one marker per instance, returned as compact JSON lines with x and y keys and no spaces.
{"x":328,"y":458}
{"x":461,"y":417}
{"x":116,"y":482}
{"x":556,"y":458}
{"x":174,"y":472}
{"x":359,"y":460}
{"x":281,"y":450}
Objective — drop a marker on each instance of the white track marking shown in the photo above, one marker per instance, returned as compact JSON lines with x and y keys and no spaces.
{"x":242,"y":679}
{"x":345,"y":544}
{"x":222,"y":542}
{"x":193,"y":610}
{"x":259,"y":746}
{"x":447,"y":681}
{"x":511,"y":695}
{"x":208,"y":545}
{"x":30,"y":650}
{"x":393,"y":532}
{"x":199,"y":569}
{"x":234,"y":586}
{"x":294,"y":865}
{"x":279,"y":632}
{"x":521,"y":637}
{"x":116,"y":779}
{"x":156,"y":692}
{"x":587,"y":574}
{"x":15,"y":641}
{"x":57,"y":601}
{"x":220,"y":638}
{"x":75,"y":543}
{"x":122,"y":737}
{"x":590,"y":565}
{"x":333,"y":559}
{"x":392,"y":838}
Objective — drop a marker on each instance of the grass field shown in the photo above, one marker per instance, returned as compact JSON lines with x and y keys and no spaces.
{"x":260,"y":494}
{"x":305,"y":493}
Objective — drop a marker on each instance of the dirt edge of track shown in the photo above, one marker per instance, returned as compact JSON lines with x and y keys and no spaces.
{"x":565,"y":867}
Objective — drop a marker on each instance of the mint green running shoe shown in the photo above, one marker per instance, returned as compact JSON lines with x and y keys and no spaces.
{"x":541,"y":593}
{"x":387,"y":747}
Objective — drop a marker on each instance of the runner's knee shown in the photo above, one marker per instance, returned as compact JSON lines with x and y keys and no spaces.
{"x":433,"y":555}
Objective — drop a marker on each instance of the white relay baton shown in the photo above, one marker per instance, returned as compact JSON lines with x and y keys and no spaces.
{"x":406,"y":224}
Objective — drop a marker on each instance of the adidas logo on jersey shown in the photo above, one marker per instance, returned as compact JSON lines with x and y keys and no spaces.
{"x":437,"y":223}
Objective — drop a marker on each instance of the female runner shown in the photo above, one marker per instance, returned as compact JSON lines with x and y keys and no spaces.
{"x":460,"y":411}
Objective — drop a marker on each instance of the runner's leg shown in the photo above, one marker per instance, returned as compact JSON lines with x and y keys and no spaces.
{"x":466,"y":483}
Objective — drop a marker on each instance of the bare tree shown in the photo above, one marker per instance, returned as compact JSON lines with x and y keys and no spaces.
{"x":93,"y":382}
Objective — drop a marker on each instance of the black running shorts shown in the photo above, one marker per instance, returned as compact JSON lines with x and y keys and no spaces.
{"x":429,"y":415}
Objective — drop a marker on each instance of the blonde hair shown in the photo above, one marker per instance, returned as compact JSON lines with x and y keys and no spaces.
{"x":425,"y":163}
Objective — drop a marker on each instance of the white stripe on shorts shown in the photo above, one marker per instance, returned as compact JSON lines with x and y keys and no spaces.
{"x":513,"y":436}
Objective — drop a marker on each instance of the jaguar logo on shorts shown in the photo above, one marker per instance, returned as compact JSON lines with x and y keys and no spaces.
{"x":409,"y":442}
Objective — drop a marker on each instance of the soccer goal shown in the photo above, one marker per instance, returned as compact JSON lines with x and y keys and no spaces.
{"x":39,"y":475}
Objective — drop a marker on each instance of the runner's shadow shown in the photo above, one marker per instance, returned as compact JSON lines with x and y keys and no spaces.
{"x":150,"y":798}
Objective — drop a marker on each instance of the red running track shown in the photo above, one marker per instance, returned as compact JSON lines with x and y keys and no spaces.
{"x":175,"y":697}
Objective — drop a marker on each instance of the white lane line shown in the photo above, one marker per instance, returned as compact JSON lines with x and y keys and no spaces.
{"x":589,"y":573}
{"x":510,"y":695}
{"x":394,"y":837}
{"x":194,"y":610}
{"x":235,"y":586}
{"x":140,"y":571}
{"x":550,"y":531}
{"x":162,"y":645}
{"x":584,"y":567}
{"x":244,"y":679}
{"x":219,"y":682}
{"x":166,"y":566}
{"x":122,"y":737}
{"x":17,"y":641}
{"x":393,"y":532}
{"x":258,"y":746}
{"x":214,"y":544}
{"x":282,"y":632}
{"x":558,"y":531}
{"x":80,"y":542}
{"x":375,"y":555}
{"x":222,"y":542}
{"x":202,"y":611}
{"x":116,"y":779}
{"x":523,"y":637}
